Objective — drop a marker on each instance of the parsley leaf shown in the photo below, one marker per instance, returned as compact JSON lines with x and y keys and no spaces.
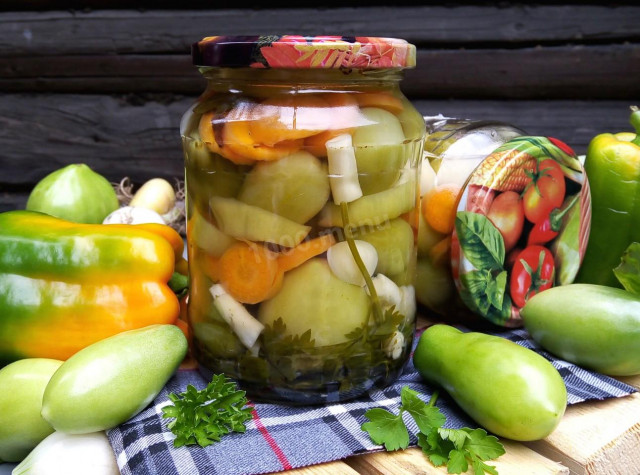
{"x":455,"y":448}
{"x":426,"y":416}
{"x":276,"y":340}
{"x":486,"y":447}
{"x":203,"y":417}
{"x":386,"y":428}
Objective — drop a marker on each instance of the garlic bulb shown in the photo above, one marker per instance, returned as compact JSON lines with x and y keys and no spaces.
{"x":344,"y":266}
{"x":131,"y":215}
{"x":388,"y":292}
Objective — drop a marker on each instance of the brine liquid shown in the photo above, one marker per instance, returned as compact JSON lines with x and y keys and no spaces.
{"x":267,"y":306}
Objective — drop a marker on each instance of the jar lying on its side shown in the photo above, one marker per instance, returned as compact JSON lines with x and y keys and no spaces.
{"x":453,"y":150}
{"x":301,"y":162}
{"x":504,"y":216}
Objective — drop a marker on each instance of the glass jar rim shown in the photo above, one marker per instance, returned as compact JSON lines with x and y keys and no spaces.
{"x":304,"y":52}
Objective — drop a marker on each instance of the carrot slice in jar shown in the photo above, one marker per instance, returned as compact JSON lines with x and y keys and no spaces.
{"x":250,"y":273}
{"x":289,"y":117}
{"x":304,"y":251}
{"x":381,"y":100}
{"x":439,"y":207}
{"x":440,"y":252}
{"x":345,"y":112}
{"x":238,"y":138}
{"x":207,"y":135}
{"x":210,"y":266}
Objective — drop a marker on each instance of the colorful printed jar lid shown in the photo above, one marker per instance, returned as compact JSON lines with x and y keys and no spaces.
{"x":522,"y":226}
{"x":304,"y":52}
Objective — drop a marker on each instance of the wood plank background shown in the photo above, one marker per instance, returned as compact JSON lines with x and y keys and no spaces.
{"x":105,"y":83}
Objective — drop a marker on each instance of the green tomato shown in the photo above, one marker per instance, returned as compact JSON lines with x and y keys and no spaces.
{"x":434,"y":285}
{"x":21,"y":425}
{"x":508,"y":389}
{"x":394,"y":243}
{"x":312,"y":298}
{"x":593,"y":326}
{"x":108,"y":382}
{"x":75,"y":193}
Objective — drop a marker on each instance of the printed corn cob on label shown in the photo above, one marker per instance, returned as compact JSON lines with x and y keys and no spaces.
{"x":521,"y":227}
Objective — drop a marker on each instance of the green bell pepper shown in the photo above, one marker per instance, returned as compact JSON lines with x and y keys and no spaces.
{"x":613,"y":168}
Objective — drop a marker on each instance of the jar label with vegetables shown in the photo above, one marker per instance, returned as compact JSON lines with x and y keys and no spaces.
{"x":521,"y":227}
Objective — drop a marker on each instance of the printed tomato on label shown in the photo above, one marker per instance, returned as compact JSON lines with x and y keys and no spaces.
{"x":507,"y":215}
{"x":545,"y":192}
{"x":533,"y":272}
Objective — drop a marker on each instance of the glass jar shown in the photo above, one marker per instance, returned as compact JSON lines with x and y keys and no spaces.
{"x":453,"y":149}
{"x":301,"y":170}
{"x":504,"y":216}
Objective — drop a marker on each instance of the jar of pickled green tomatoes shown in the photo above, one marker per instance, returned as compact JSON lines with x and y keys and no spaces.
{"x":301,"y":168}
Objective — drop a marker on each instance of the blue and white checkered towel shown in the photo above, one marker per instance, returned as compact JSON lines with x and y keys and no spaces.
{"x":282,"y":437}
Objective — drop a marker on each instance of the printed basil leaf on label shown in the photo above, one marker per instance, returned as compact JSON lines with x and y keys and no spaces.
{"x":501,"y":314}
{"x":481,"y":242}
{"x":477,"y":284}
{"x":496,"y":288}
{"x":487,"y":294}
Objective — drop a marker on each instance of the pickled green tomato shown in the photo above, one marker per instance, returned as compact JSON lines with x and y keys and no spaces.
{"x":313,"y":298}
{"x":394,"y":244}
{"x":434,"y":284}
{"x":206,"y":171}
{"x":296,"y":186}
{"x":380,"y":150}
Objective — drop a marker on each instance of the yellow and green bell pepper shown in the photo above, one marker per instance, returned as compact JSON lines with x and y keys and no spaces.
{"x":612,"y":164}
{"x":64,"y":286}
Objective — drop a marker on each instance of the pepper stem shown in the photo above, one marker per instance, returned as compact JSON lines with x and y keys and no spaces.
{"x":635,"y":123}
{"x":556,"y":216}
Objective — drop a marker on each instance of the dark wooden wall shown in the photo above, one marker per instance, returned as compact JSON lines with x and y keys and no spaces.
{"x":105,"y":83}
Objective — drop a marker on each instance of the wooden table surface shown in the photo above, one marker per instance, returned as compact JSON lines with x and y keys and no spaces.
{"x":593,"y":438}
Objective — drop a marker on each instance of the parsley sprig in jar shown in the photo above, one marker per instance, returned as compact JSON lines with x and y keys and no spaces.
{"x":301,"y":164}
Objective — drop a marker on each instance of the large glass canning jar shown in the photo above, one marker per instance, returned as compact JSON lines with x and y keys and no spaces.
{"x":301,"y":165}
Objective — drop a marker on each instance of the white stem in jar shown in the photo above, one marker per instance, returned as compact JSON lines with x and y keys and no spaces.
{"x":343,"y":169}
{"x":236,"y":315}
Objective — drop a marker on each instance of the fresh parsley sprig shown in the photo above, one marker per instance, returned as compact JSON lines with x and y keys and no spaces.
{"x":203,"y":417}
{"x":457,"y":448}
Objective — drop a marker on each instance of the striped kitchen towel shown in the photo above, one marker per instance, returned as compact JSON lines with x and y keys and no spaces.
{"x":281,"y":437}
